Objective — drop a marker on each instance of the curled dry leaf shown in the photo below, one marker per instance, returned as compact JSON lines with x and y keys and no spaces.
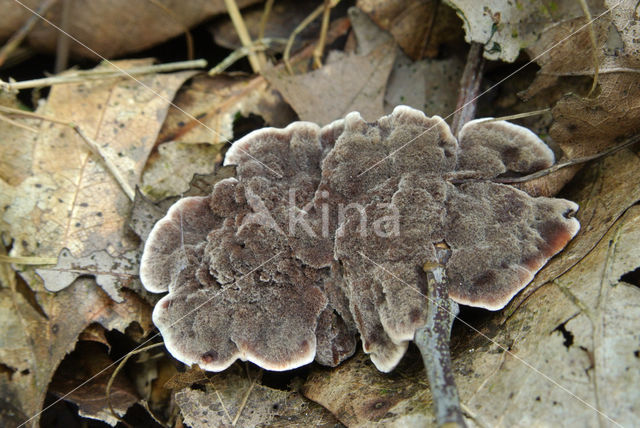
{"x":90,"y":360}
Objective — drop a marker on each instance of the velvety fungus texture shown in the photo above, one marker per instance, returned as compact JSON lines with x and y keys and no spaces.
{"x":323,"y":233}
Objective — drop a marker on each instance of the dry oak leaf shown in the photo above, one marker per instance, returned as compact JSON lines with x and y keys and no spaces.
{"x":112,"y":28}
{"x":71,"y":200}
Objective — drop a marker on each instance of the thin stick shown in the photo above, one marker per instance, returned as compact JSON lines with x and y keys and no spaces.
{"x":111,"y":166}
{"x":594,"y":44}
{"x":319,"y":49}
{"x":19,"y":35}
{"x":305,"y":22}
{"x":82,"y":76}
{"x":63,"y":42}
{"x":117,"y":370}
{"x":433,"y":341}
{"x":268,"y":5}
{"x":93,"y":146}
{"x":469,"y":87}
{"x":260,"y":45}
{"x":256,"y":60}
{"x":520,"y":115}
{"x":18,"y":124}
{"x":245,"y":399}
{"x":146,"y":407}
{"x":18,"y":260}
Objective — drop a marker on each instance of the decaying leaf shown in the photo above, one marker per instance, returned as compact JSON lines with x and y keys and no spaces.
{"x":347,"y":82}
{"x":189,"y":146}
{"x":90,"y":359}
{"x":578,"y":332}
{"x":504,"y":27}
{"x":112,"y":27}
{"x":217,"y":102}
{"x":419,"y":27}
{"x":71,"y":200}
{"x":223,"y":401}
{"x":111,"y":273}
{"x":32,"y":345}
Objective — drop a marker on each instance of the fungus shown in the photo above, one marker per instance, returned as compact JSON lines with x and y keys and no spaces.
{"x":303,"y":250}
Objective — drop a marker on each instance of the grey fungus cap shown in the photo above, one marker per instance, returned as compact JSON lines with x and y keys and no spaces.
{"x":322,"y":235}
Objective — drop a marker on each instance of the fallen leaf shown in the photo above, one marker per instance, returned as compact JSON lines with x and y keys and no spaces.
{"x":32,"y":345}
{"x":71,"y":200}
{"x":111,"y":273}
{"x":419,"y":27}
{"x":223,"y":398}
{"x":347,"y":82}
{"x":359,"y":395}
{"x":217,"y":102}
{"x":90,"y":359}
{"x":504,"y":28}
{"x":577,"y":336}
{"x":111,"y":27}
{"x":430,"y":85}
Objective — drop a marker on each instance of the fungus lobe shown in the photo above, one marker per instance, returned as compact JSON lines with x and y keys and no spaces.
{"x":303,"y":250}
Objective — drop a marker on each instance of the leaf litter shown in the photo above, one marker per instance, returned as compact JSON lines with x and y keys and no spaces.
{"x":575,"y":323}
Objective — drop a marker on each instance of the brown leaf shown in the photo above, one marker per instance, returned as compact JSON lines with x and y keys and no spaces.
{"x":346,"y":83}
{"x":413,"y":25}
{"x":223,"y":398}
{"x":32,"y":345}
{"x":112,"y":27}
{"x":359,"y":395}
{"x":430,"y":85}
{"x":87,"y":360}
{"x":216,"y":102}
{"x":285,"y":16}
{"x":71,"y":200}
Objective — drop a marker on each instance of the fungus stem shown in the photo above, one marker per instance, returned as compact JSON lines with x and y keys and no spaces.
{"x":433,"y":341}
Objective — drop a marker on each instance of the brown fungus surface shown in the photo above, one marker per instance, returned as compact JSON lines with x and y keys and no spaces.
{"x":316,"y":238}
